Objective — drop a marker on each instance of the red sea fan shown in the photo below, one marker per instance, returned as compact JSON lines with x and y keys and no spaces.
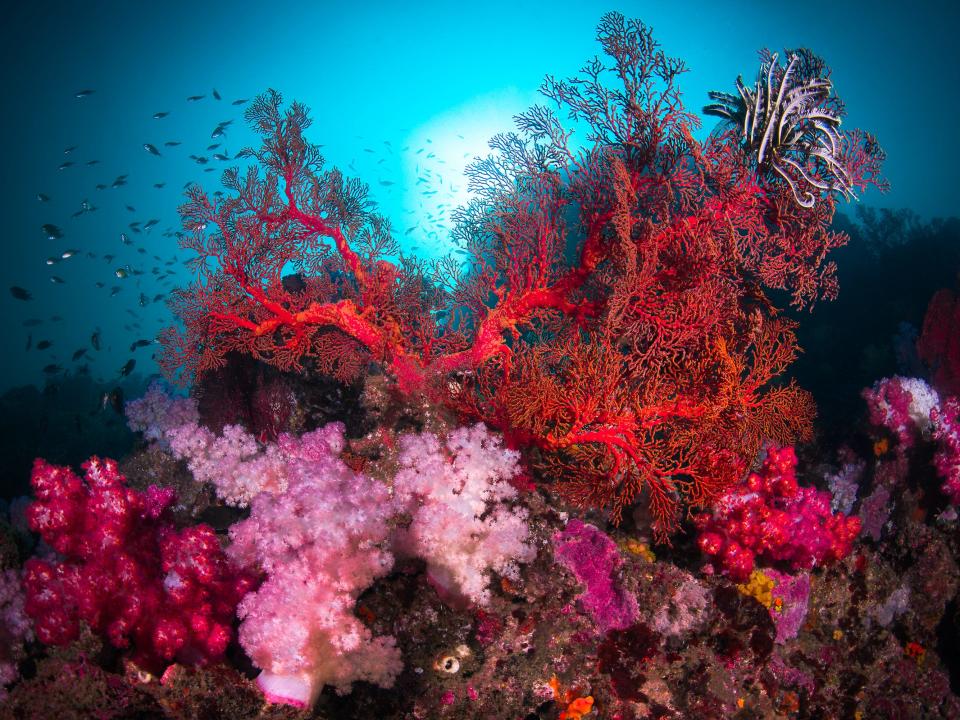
{"x":612,"y":309}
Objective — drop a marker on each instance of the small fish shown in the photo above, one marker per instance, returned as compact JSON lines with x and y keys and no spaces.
{"x":221,"y":157}
{"x":143,"y":300}
{"x":115,"y":290}
{"x":140,"y":344}
{"x":150,"y":223}
{"x":19,"y":293}
{"x":128,"y":367}
{"x":43,"y":198}
{"x":213,"y":147}
{"x":121,"y":272}
{"x":44,"y":344}
{"x":91,"y":163}
{"x":387,"y":183}
{"x":217,"y":132}
{"x":70,"y":149}
{"x":172,"y":143}
{"x":77,"y":354}
{"x":158,"y":186}
{"x":67,"y":254}
{"x":101,"y":186}
{"x":240,"y":102}
{"x":160,"y":115}
{"x":52,"y":260}
{"x":65,"y":165}
{"x":113,"y":399}
{"x":216,"y":95}
{"x":52,"y":369}
{"x":151,"y":149}
{"x":56,"y":280}
{"x":194,"y":98}
{"x":124,"y":240}
{"x":80,"y":94}
{"x":95,"y":339}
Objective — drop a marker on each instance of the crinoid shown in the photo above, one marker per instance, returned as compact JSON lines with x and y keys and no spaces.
{"x":790,"y":119}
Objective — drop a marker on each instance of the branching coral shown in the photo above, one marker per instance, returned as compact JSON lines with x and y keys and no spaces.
{"x":611,"y":310}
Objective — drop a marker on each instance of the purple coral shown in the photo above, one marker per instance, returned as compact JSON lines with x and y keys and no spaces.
{"x":593,"y":558}
{"x":793,"y":592}
{"x":158,"y":412}
{"x":15,"y":627}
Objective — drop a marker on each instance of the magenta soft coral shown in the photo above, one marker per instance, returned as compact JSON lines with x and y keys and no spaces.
{"x":946,"y":431}
{"x":771,"y":517}
{"x":593,"y":558}
{"x":125,"y":570}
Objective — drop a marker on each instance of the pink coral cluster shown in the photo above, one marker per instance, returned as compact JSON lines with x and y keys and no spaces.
{"x":457,"y":495}
{"x":771,"y":517}
{"x":125,"y":570}
{"x":324,"y":533}
{"x":903,"y":406}
{"x":910,"y":408}
{"x":322,"y":541}
{"x":946,"y":431}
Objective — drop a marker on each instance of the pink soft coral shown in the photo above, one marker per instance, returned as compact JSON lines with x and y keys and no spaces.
{"x":125,"y":570}
{"x":321,"y":542}
{"x":456,"y":494}
{"x":946,"y":431}
{"x":324,"y":533}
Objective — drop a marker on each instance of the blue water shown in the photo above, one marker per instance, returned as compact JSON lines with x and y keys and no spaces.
{"x":399,"y":92}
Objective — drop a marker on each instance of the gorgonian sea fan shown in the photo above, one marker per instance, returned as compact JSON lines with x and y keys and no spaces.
{"x":790,"y":120}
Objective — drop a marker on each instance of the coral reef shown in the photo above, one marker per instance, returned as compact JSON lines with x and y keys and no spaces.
{"x":566,"y":478}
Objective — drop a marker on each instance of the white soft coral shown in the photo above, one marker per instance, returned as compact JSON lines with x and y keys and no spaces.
{"x":320,"y":539}
{"x":461,"y":524}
